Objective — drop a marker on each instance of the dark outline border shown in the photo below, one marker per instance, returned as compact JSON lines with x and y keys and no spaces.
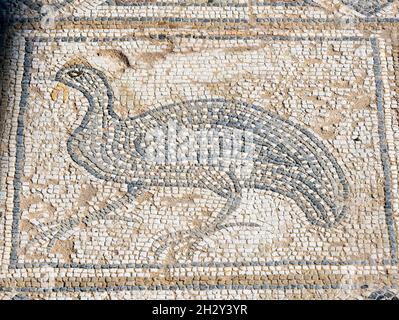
{"x":383,"y":149}
{"x":225,"y":3}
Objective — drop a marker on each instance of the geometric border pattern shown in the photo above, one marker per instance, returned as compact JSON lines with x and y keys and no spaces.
{"x":393,"y":259}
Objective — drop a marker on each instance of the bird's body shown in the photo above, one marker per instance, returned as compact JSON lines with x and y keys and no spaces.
{"x":223,"y":146}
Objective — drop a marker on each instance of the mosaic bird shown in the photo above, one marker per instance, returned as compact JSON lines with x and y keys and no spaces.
{"x":270,"y":153}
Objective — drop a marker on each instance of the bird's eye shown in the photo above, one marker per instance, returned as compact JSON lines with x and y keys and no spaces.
{"x":74,"y":73}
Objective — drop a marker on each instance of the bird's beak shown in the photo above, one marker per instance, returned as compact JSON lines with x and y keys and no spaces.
{"x":56,"y":92}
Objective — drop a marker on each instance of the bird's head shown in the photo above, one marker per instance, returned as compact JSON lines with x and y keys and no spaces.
{"x":79,"y":76}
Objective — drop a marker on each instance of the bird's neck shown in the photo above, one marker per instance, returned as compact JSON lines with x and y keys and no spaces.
{"x":101,"y":97}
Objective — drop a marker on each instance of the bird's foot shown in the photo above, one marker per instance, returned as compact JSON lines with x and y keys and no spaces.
{"x":191,"y":245}
{"x":50,"y":233}
{"x":180,"y":245}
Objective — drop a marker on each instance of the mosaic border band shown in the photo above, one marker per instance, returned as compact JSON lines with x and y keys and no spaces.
{"x":382,"y":144}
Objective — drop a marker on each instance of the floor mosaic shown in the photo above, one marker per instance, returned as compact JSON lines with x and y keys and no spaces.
{"x":199,"y":149}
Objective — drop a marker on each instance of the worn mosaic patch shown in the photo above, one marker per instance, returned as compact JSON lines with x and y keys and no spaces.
{"x":184,"y":161}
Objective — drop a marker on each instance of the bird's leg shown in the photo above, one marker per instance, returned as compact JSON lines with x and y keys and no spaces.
{"x":226,"y":186}
{"x":187,"y":241}
{"x":64,"y":227}
{"x":198,"y":234}
{"x":134,"y":189}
